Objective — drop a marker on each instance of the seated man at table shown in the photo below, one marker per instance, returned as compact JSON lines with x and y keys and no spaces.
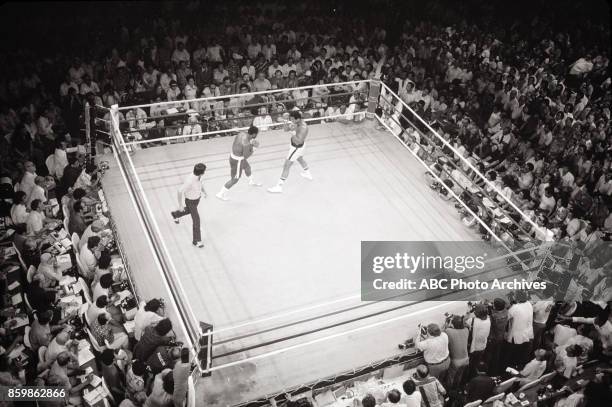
{"x":60,"y":344}
{"x":87,"y":257}
{"x":47,"y":271}
{"x":37,"y":220}
{"x":76,"y":222}
{"x":534,"y":369}
{"x":87,"y":179}
{"x":97,"y":228}
{"x":148,"y":314}
{"x":42,"y":331}
{"x":153,"y":336}
{"x":96,"y":308}
{"x":59,"y":376}
{"x":102,"y":331}
{"x":104,"y":287}
{"x":481,"y":387}
{"x":103,"y":267}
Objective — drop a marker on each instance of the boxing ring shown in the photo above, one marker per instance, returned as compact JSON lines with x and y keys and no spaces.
{"x":277,"y":284}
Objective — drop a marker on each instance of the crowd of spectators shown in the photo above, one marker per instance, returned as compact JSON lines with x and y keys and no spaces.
{"x":67,"y":310}
{"x":505,"y":344}
{"x":529,"y":106}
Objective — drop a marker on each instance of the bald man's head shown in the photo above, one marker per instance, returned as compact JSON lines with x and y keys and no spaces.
{"x":422,"y":371}
{"x":62,"y":338}
{"x":63,"y":358}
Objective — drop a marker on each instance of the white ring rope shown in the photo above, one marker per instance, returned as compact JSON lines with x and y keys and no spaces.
{"x":262,"y":92}
{"x":458,"y":154}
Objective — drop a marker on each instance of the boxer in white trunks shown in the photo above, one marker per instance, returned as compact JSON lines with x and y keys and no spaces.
{"x":296,"y":151}
{"x":242,"y":148}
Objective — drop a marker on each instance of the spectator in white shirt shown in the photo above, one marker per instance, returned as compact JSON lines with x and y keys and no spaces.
{"x":96,"y":308}
{"x":29,"y":177}
{"x":38,"y":192}
{"x":269,"y":49}
{"x":67,"y":84}
{"x":581,"y":66}
{"x":36,"y":218}
{"x":103,"y":287}
{"x":261,"y":83}
{"x":534,"y":369}
{"x":541,"y":312}
{"x":85,"y":179}
{"x":248,"y":68}
{"x":520,"y":332}
{"x":180,"y":54}
{"x":148,"y":314}
{"x":88,"y":258}
{"x":19,"y":211}
{"x":219,"y":74}
{"x":480,"y":326}
{"x":89,"y":86}
{"x":435,"y":351}
{"x":215,"y":52}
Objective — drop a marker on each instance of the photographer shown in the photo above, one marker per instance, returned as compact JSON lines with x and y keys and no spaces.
{"x":520,"y":332}
{"x":480,"y":327}
{"x":149,"y":313}
{"x":181,"y":371}
{"x":497,"y":335}
{"x":435,"y":351}
{"x":153,"y":336}
{"x":458,"y":348}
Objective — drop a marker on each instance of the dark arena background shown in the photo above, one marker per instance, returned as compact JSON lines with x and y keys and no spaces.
{"x":151,"y":256}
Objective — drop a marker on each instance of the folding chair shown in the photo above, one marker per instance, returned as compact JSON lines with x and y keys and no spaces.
{"x":50,"y":163}
{"x":75,"y":243}
{"x":547,"y":377}
{"x":529,"y":385}
{"x":26,"y":337}
{"x":504,"y":386}
{"x":30,"y":273}
{"x":489,"y":402}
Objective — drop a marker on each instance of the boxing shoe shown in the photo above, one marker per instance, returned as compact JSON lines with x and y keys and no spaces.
{"x":276,"y":189}
{"x":222,"y":196}
{"x":306,"y":174}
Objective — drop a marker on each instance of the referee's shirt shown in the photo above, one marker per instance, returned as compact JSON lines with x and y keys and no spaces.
{"x":192,"y":187}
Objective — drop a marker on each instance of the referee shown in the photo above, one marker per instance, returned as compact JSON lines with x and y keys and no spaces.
{"x":191,"y":191}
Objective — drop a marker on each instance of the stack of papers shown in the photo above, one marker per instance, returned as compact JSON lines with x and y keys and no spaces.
{"x":20,"y":321}
{"x":121,"y":296}
{"x":129,"y":326}
{"x":16,"y":351}
{"x":9,"y":252}
{"x":13,"y":268}
{"x":16,"y":299}
{"x":94,"y":396}
{"x":85,"y":356}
